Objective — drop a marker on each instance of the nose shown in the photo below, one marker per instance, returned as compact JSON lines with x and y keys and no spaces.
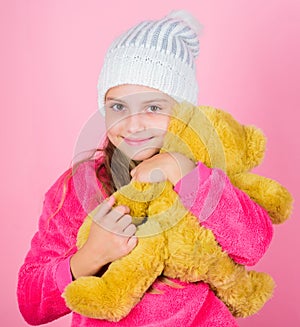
{"x":135,"y":123}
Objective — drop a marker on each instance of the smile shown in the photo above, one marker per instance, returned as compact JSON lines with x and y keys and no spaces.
{"x":137,"y":142}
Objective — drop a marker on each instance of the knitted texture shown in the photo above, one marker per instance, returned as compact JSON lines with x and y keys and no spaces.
{"x":159,"y":54}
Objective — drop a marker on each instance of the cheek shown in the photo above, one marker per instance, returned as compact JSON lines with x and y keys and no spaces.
{"x":112,"y":132}
{"x":162,"y":124}
{"x":113,"y":138}
{"x":112,"y":124}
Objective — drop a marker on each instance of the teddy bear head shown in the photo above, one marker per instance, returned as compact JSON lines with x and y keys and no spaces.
{"x":215,"y":138}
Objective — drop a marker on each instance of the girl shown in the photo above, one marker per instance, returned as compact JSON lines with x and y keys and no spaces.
{"x":146,"y":71}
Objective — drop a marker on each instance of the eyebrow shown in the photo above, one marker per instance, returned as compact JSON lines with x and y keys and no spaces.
{"x":156,"y":100}
{"x":114,"y":99}
{"x":145,"y":102}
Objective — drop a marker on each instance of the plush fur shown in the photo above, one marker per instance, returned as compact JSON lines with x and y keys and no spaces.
{"x":171,"y":241}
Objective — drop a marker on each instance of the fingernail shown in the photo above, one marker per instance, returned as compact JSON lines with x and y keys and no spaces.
{"x":125,"y":209}
{"x":111,"y":200}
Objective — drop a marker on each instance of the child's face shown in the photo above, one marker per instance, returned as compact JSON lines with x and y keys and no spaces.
{"x":136,"y":119}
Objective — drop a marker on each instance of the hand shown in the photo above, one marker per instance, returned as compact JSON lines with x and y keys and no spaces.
{"x":164,"y":166}
{"x":111,"y":237}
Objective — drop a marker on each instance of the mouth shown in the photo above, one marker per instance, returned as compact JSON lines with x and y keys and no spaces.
{"x":137,"y":142}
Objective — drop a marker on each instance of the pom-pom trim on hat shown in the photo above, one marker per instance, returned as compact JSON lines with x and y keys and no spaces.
{"x":188,"y":18}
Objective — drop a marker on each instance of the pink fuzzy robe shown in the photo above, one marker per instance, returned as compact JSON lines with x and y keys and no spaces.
{"x":242,"y":228}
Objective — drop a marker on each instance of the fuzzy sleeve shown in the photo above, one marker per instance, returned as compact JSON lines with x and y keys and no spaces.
{"x":46,"y":269}
{"x":241,"y":227}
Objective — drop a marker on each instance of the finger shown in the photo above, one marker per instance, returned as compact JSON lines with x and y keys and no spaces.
{"x":132,"y":242}
{"x":116,"y":213}
{"x":110,"y":219}
{"x":133,"y":171}
{"x":129,"y":230}
{"x":135,"y":176}
{"x":103,"y":209}
{"x":123,"y":223}
{"x":122,"y":209}
{"x":111,"y":200}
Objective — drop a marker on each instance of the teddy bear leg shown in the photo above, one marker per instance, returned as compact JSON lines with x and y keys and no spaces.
{"x":196,"y":256}
{"x":247,"y":294}
{"x":121,"y":287}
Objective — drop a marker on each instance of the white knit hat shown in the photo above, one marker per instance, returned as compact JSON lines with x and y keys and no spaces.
{"x":158,"y":54}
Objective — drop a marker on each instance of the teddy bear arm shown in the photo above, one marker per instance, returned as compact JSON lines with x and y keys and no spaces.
{"x":266,"y":192}
{"x":83,"y":232}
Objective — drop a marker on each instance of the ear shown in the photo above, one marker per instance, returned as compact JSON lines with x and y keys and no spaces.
{"x":256,"y":145}
{"x":179,"y":133}
{"x":181,"y":117}
{"x":184,"y":112}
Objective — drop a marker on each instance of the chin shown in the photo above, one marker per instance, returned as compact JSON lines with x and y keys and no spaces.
{"x":143,"y":155}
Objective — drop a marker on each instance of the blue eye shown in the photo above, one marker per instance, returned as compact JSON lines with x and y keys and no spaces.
{"x":153,"y":109}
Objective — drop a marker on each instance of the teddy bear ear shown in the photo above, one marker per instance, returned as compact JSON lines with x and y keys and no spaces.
{"x":256,"y":145}
{"x":184,"y":112}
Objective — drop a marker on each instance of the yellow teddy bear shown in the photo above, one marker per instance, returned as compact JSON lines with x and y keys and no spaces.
{"x":172,"y":242}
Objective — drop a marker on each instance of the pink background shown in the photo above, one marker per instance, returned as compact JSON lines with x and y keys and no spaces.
{"x":51,"y":54}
